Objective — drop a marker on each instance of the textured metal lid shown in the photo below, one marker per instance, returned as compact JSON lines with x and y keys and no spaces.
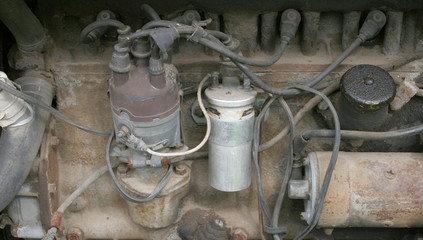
{"x":368,"y":87}
{"x":230,"y":97}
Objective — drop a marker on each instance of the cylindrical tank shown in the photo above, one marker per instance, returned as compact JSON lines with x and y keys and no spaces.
{"x":367,"y":189}
{"x":232,"y":121}
{"x":366,"y":93}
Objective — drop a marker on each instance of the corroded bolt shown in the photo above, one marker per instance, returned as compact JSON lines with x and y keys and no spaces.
{"x":122,"y":168}
{"x":75,"y":233}
{"x":180,"y":169}
{"x":54,"y":141}
{"x":239,"y":234}
{"x":123,"y":132}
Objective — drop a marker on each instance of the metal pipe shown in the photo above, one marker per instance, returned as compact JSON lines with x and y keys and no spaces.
{"x":19,"y":145}
{"x":24,"y":25}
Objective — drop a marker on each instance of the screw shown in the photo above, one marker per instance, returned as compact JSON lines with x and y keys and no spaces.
{"x":75,"y":233}
{"x":180,"y":169}
{"x":54,"y":141}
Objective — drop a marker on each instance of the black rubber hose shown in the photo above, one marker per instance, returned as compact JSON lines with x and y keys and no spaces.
{"x":19,"y":145}
{"x":84,"y":37}
{"x":24,"y":25}
{"x":364,"y":135}
{"x":149,"y":12}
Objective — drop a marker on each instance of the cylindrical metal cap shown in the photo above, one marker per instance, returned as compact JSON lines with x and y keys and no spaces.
{"x":230,"y":97}
{"x":367,"y":87}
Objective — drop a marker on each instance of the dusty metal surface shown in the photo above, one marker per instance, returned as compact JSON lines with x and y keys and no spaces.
{"x":372,"y":190}
{"x":82,"y":84}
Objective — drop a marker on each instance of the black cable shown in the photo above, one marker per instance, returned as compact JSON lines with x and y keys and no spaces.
{"x":162,"y":184}
{"x":49,"y":109}
{"x":256,"y":142}
{"x":238,"y":58}
{"x":100,"y":23}
{"x":325,"y":186}
{"x":291,"y":92}
{"x":149,"y":12}
{"x":288,"y":169}
{"x":307,"y":134}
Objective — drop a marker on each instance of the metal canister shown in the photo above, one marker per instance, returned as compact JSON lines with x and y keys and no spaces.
{"x":232,"y":121}
{"x":366,"y":93}
{"x":367,"y":189}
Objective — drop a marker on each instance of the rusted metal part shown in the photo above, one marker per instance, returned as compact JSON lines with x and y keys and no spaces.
{"x":75,"y":233}
{"x":165,"y":162}
{"x":56,"y":220}
{"x":48,"y":175}
{"x":406,"y":89}
{"x":239,"y":234}
{"x":163,"y":210}
{"x":372,"y":189}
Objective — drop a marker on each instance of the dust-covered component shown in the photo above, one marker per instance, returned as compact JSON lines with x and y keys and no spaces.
{"x":367,"y":189}
{"x":232,"y":119}
{"x":366,"y":93}
{"x":145,"y":104}
{"x":163,"y":210}
{"x":13,"y":110}
{"x":197,"y":224}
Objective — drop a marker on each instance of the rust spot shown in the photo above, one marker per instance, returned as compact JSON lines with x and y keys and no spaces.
{"x":130,"y":163}
{"x":165,"y":162}
{"x":56,"y":220}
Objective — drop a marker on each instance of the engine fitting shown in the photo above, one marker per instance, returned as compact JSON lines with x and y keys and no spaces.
{"x":232,"y":120}
{"x":366,"y":92}
{"x":145,"y":100}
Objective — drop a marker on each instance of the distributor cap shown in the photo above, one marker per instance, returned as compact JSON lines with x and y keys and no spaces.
{"x":368,"y":87}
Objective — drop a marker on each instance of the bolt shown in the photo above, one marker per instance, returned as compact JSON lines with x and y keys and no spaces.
{"x":303,"y":215}
{"x":390,"y":174}
{"x":180,"y":169}
{"x":122,"y":168}
{"x":239,"y":234}
{"x":75,"y":233}
{"x":123,"y":132}
{"x":54,"y":141}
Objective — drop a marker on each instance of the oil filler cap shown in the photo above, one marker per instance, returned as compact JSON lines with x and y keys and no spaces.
{"x":368,"y":87}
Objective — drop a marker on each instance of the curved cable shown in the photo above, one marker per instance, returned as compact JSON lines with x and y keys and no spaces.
{"x":334,"y":157}
{"x":49,"y":109}
{"x":100,"y":23}
{"x":206,"y":137}
{"x":363,"y":134}
{"x":288,"y":169}
{"x":162,"y":184}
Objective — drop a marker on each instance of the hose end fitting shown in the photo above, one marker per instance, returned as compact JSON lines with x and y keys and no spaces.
{"x":120,"y":62}
{"x":290,"y":21}
{"x":374,"y":22}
